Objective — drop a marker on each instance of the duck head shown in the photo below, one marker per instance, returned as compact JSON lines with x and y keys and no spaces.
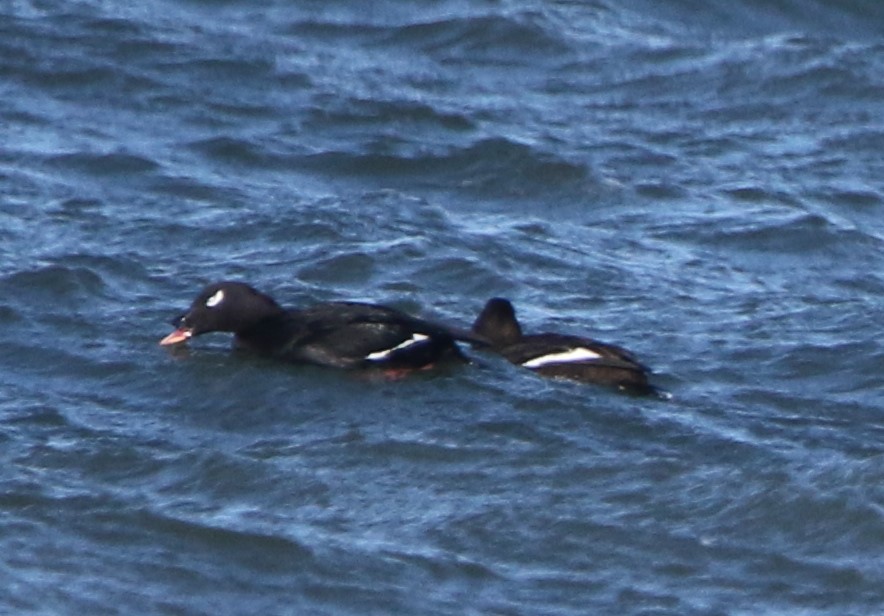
{"x":497,"y":323}
{"x":222,"y":307}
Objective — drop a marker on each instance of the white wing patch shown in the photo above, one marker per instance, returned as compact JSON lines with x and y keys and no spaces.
{"x":574,"y":355}
{"x":216,"y":299}
{"x":415,"y":339}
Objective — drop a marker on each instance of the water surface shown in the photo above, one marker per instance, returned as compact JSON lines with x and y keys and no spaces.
{"x":699,"y":182}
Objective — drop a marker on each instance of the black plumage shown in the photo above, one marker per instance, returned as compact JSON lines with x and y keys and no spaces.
{"x":560,"y":355}
{"x":334,"y":334}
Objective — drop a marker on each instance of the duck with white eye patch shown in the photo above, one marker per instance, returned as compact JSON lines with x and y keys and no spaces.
{"x":560,"y":355}
{"x":333,"y":334}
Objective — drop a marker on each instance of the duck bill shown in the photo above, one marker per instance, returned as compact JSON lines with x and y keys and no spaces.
{"x":178,"y":336}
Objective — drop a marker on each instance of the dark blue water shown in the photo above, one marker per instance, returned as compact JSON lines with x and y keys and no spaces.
{"x":700,"y":182}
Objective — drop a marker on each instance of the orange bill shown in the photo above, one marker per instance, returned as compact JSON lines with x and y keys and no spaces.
{"x":179,"y":335}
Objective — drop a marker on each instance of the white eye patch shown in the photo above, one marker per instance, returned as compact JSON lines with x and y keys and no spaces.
{"x":575,"y":355}
{"x":415,"y":339}
{"x":216,"y":299}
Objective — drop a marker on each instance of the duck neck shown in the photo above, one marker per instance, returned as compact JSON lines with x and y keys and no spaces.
{"x":266,"y":335}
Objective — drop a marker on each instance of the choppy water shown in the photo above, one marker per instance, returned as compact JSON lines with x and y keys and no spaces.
{"x":698,"y":181}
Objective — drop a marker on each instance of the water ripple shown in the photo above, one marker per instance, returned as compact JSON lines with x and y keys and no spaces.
{"x":697,"y":183}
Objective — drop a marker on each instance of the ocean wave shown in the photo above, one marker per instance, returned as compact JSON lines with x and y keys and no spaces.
{"x":115,"y":163}
{"x":502,"y":38}
{"x":694,"y":181}
{"x":499,"y":167}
